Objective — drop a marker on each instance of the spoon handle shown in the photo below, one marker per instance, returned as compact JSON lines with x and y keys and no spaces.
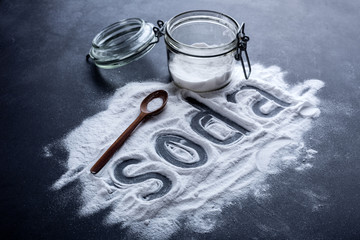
{"x":116,"y":145}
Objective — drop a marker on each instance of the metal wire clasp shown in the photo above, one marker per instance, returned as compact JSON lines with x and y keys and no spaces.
{"x":242,"y":40}
{"x":159,"y":31}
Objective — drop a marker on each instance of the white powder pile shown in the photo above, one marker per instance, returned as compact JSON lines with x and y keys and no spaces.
{"x":215,"y":148}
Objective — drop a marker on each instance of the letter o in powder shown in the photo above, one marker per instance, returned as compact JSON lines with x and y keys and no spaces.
{"x":180,"y":151}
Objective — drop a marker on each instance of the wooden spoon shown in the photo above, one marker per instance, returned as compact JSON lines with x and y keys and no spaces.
{"x":144,"y":112}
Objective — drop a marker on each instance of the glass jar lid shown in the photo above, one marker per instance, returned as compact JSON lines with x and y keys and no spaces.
{"x":122,"y":42}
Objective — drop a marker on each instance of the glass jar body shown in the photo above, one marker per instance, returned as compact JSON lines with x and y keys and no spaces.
{"x":201,"y":46}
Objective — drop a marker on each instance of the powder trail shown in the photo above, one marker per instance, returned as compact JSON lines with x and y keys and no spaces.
{"x":202,"y":152}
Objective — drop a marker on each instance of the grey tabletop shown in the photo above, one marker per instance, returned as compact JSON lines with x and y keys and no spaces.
{"x":47,"y":89}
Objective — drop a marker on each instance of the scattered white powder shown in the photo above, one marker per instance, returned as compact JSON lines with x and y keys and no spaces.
{"x":197,"y":194}
{"x":310,"y":153}
{"x":304,"y":166}
{"x":46,"y":152}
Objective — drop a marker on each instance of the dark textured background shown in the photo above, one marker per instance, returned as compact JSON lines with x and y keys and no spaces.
{"x":47,"y":89}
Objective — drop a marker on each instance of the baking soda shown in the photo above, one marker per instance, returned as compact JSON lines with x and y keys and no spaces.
{"x":154,"y":104}
{"x":201,"y":74}
{"x":216,"y":147}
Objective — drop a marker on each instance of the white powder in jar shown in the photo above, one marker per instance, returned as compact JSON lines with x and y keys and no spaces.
{"x":201,"y":74}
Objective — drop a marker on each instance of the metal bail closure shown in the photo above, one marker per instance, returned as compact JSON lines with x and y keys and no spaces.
{"x":159,"y":31}
{"x":242,"y":40}
{"x":124,"y":42}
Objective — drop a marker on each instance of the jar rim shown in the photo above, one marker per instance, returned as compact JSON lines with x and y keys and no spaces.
{"x":122,"y":42}
{"x":200,"y":51}
{"x":100,"y":42}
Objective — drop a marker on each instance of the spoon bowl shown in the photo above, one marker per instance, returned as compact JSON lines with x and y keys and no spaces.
{"x":157,"y":94}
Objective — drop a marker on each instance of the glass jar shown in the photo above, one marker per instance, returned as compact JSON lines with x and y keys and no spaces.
{"x":202,"y":47}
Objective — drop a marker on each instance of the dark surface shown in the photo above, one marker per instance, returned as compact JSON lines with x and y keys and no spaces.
{"x":47,"y":89}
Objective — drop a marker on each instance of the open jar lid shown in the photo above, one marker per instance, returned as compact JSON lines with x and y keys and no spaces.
{"x":122,"y":42}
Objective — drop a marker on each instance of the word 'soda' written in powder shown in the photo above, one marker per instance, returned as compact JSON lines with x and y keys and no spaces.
{"x":204,"y":151}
